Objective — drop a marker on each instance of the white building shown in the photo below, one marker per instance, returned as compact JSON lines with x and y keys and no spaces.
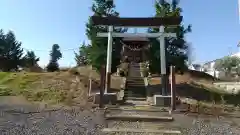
{"x":209,"y":68}
{"x":196,"y":67}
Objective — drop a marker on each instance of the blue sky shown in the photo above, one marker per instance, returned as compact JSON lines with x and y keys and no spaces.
{"x":39,"y":24}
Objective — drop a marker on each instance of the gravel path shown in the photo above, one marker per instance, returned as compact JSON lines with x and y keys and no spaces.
{"x":221,"y":126}
{"x":189,"y":125}
{"x":27,"y":120}
{"x":30,"y":120}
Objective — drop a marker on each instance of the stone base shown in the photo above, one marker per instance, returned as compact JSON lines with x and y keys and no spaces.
{"x":163,"y":101}
{"x":107,"y":98}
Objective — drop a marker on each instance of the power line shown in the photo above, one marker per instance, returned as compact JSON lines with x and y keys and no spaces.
{"x":62,"y":50}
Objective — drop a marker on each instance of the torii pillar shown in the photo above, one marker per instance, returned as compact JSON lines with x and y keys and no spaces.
{"x":109,"y":59}
{"x":163,"y":61}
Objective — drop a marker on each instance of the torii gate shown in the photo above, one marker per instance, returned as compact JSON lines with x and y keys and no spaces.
{"x":158,"y":22}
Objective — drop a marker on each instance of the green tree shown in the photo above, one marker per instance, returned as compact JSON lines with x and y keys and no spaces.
{"x":10,"y":52}
{"x":176,"y":48}
{"x":30,"y":59}
{"x":55,"y":55}
{"x":81,"y":56}
{"x":228,"y":64}
{"x":97,"y":50}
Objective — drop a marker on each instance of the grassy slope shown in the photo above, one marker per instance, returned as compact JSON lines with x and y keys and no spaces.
{"x":198,"y":86}
{"x":51,"y":87}
{"x":35,"y":86}
{"x":67,"y":87}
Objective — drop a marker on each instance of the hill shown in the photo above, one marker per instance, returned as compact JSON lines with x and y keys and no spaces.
{"x":199,"y":86}
{"x":69,"y":86}
{"x":53,"y":87}
{"x":72,"y":86}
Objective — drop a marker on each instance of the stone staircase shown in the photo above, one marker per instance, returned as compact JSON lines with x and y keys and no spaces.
{"x":140,"y":122}
{"x":135,"y":87}
{"x":136,"y":116}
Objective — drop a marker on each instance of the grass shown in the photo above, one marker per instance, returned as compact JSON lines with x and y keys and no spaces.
{"x":53,"y":87}
{"x":198,"y":86}
{"x":69,"y":86}
{"x":13,"y":84}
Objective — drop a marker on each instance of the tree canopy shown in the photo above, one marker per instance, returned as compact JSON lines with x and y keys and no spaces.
{"x":30,"y":59}
{"x":228,"y":64}
{"x":96,"y":51}
{"x":176,"y":48}
{"x":10,"y":52}
{"x":81,"y":56}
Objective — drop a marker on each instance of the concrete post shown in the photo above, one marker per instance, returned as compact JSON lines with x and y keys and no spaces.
{"x":163,"y":61}
{"x":109,"y":59}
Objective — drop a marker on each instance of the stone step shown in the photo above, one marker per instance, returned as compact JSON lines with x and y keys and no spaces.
{"x":136,"y":98}
{"x":135,"y":70}
{"x":141,"y":102}
{"x":134,"y":92}
{"x":124,"y":131}
{"x":135,"y":86}
{"x":135,"y":89}
{"x":138,"y":117}
{"x":135,"y":81}
{"x":132,"y":77}
{"x":134,"y":66}
{"x":139,"y":108}
{"x":137,"y":75}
